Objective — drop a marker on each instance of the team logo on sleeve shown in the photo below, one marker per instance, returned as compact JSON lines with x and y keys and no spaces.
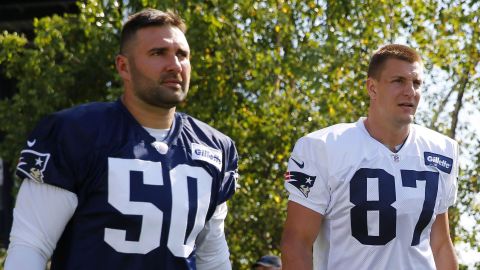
{"x":207,"y":154}
{"x":440,"y":162}
{"x":32,"y":164}
{"x":301,"y":181}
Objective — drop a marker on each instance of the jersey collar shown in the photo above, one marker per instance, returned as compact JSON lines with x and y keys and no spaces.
{"x":172,"y":136}
{"x":382,"y":147}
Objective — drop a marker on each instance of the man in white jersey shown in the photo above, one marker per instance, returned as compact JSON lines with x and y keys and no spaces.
{"x":374,"y":194}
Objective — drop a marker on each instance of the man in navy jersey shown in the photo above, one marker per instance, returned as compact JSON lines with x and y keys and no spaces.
{"x":374,"y":194}
{"x":130,"y":184}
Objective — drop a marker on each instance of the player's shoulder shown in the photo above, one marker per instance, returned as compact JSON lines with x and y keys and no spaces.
{"x":331,"y":135}
{"x":432,"y":138}
{"x":438,"y":150}
{"x":79,"y":123}
{"x":337,"y":140}
{"x":83,"y":118}
{"x":86,"y":114}
{"x":202,"y":130}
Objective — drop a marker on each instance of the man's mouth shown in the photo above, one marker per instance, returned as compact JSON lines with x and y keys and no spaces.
{"x":406,"y":104}
{"x":172,"y":83}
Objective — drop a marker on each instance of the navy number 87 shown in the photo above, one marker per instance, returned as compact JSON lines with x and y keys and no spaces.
{"x":386,"y":197}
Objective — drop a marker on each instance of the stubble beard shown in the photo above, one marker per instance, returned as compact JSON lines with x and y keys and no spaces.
{"x":405,"y":120}
{"x":152,"y":92}
{"x":159,"y":96}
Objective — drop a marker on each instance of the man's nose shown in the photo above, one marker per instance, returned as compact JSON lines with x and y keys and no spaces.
{"x":410,"y":89}
{"x":174,"y":64}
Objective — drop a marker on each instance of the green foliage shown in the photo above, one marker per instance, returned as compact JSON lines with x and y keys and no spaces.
{"x":70,"y":61}
{"x":2,"y":257}
{"x":263,"y":72}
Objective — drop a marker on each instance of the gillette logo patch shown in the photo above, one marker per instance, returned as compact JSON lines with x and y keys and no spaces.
{"x":207,"y":154}
{"x":440,"y":162}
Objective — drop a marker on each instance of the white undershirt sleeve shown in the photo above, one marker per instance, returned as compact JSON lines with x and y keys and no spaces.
{"x":41,"y":213}
{"x":212,"y":249}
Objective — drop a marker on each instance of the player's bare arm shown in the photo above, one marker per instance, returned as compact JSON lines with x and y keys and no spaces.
{"x":300,"y":231}
{"x":442,"y":247}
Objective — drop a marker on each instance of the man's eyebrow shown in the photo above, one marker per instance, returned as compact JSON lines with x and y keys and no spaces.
{"x":413,"y":76}
{"x":186,"y":52}
{"x":165,"y":49}
{"x":158,"y":50}
{"x":402,"y":77}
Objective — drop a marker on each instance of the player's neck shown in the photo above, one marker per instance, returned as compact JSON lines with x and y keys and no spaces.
{"x":388,"y":134}
{"x":147,"y":115}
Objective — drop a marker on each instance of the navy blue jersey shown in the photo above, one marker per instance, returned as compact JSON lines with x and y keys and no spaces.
{"x":138,"y":207}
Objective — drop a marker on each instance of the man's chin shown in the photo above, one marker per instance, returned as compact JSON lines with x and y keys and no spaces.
{"x":407,"y":120}
{"x":411,"y":118}
{"x":168,"y":103}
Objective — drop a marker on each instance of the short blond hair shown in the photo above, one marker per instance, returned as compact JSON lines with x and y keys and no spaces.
{"x":396,"y":51}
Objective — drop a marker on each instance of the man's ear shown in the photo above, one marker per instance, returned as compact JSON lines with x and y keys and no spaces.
{"x":123,"y":67}
{"x":372,"y":87}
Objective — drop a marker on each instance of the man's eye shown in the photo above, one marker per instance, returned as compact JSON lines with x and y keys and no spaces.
{"x":157,"y":52}
{"x":182,"y":54}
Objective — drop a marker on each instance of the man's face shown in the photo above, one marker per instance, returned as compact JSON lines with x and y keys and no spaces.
{"x":396,"y":94}
{"x":159,"y":62}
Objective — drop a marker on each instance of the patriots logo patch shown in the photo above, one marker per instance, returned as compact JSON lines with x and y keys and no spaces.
{"x":440,"y":162}
{"x":32,"y":164}
{"x":301,"y":181}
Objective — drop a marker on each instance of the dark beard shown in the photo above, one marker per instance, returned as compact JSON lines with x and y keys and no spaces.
{"x":155,"y":94}
{"x":159,"y":96}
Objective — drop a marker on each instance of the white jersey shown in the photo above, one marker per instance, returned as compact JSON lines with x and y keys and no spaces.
{"x":378,"y":206}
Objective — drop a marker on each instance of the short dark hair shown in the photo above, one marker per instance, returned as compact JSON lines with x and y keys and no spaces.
{"x":397,"y":51}
{"x":149,"y":17}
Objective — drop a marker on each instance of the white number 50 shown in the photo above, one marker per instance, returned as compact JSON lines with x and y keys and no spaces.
{"x":152,"y":217}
